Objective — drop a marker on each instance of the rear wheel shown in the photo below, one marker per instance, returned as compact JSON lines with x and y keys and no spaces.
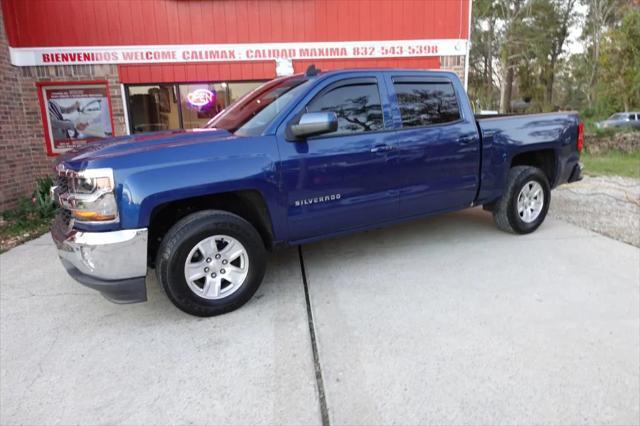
{"x":525,"y":202}
{"x":211,"y":262}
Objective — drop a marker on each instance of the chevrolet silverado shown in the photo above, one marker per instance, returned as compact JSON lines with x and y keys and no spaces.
{"x":298,"y":159}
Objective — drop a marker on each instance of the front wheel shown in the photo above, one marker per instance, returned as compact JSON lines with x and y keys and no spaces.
{"x":211,"y":262}
{"x":525,"y":202}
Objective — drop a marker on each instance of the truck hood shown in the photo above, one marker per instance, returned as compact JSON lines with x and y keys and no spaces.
{"x":143,"y":142}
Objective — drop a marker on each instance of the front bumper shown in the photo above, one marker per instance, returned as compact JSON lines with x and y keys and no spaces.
{"x":114,"y":263}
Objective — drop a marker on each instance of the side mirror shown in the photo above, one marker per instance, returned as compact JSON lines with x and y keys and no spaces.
{"x":315,"y":123}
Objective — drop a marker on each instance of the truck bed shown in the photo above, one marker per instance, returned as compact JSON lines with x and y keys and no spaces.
{"x":508,"y":137}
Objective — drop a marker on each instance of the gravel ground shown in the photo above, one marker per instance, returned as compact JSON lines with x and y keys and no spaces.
{"x":609,"y":205}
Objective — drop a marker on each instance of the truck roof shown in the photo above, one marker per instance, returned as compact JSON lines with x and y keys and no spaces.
{"x":321,"y":72}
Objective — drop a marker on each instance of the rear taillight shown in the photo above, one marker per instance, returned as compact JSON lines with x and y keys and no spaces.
{"x":580,"y":143}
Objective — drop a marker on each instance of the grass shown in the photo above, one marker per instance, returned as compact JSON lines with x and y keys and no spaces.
{"x":612,"y":163}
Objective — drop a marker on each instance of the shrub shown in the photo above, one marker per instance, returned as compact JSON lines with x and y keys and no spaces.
{"x":37,"y":209}
{"x":43,"y":203}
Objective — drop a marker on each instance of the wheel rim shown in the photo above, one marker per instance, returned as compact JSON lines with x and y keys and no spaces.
{"x":530,"y":201}
{"x":216,"y":267}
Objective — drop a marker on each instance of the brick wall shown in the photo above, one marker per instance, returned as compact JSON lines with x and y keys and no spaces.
{"x":453,"y":63}
{"x":22,"y":146}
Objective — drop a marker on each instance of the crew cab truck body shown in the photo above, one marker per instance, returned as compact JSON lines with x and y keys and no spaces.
{"x":301,"y":158}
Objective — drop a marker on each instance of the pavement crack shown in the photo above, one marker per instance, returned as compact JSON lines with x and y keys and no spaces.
{"x":324,"y":411}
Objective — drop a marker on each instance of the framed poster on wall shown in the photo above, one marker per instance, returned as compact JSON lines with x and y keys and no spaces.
{"x":74,"y":113}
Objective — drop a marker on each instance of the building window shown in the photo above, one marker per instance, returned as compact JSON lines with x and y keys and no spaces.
{"x":201,"y":102}
{"x":153,"y":108}
{"x":156,"y":107}
{"x":241,"y":88}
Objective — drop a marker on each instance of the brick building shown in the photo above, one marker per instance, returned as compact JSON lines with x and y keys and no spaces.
{"x":146,"y":66}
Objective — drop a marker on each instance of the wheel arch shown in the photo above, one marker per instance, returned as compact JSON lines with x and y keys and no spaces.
{"x":544,"y":159}
{"x":248,"y":204}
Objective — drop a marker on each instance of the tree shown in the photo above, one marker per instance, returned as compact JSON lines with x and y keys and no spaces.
{"x":511,"y":14}
{"x":494,"y":54}
{"x":484,"y":48}
{"x":558,"y":19}
{"x":601,"y":14}
{"x":619,"y":63}
{"x":546,"y":29}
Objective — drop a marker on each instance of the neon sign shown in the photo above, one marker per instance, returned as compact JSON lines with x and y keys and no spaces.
{"x":201,"y":99}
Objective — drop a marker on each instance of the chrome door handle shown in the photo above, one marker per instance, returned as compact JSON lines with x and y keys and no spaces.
{"x":381,"y":148}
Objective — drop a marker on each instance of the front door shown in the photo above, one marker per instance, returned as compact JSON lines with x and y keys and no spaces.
{"x":338,"y":181}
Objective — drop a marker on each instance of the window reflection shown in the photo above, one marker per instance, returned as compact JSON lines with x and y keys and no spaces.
{"x":241,"y":88}
{"x":424,"y":103}
{"x":357,"y":106}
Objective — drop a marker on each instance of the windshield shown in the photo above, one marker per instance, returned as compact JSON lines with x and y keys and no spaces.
{"x":252,"y":113}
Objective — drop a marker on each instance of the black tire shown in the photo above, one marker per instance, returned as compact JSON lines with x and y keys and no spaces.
{"x":505,"y":211}
{"x":179,"y":241}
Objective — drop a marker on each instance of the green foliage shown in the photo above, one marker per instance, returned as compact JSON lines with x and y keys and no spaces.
{"x":619,"y":83}
{"x":528,"y":38}
{"x":485,"y":46}
{"x":517,"y":45}
{"x":43,"y":203}
{"x":33,"y":212}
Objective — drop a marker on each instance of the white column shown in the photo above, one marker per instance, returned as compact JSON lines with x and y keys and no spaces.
{"x":125,"y":108}
{"x":466,"y":58}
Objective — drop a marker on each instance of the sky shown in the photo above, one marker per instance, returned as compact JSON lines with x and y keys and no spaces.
{"x":573,"y":43}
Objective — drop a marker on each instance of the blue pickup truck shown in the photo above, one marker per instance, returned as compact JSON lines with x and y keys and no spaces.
{"x":298,"y":159}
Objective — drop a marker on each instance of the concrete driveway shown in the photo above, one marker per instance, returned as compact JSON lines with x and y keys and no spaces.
{"x":441,"y":321}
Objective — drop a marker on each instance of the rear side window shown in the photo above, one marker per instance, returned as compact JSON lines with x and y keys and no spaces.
{"x":423,"y":103}
{"x":357,"y":106}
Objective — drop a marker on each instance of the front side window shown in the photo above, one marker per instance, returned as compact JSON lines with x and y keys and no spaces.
{"x":426,"y":103}
{"x":357,"y":107}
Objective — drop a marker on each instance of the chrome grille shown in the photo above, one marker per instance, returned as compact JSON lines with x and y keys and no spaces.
{"x":63,"y":224}
{"x":65,"y":217}
{"x":62,"y":188}
{"x":62,"y":182}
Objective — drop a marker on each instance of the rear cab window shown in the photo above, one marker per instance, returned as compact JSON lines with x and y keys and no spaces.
{"x":425,"y":101}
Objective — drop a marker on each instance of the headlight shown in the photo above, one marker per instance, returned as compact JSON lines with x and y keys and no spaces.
{"x":102,"y":208}
{"x":91,"y":196}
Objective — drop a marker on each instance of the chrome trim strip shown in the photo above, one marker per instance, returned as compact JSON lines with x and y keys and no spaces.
{"x":115,"y":255}
{"x":70,"y":201}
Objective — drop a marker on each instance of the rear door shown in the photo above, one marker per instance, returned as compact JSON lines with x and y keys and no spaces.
{"x":438,"y":145}
{"x":339,"y":181}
